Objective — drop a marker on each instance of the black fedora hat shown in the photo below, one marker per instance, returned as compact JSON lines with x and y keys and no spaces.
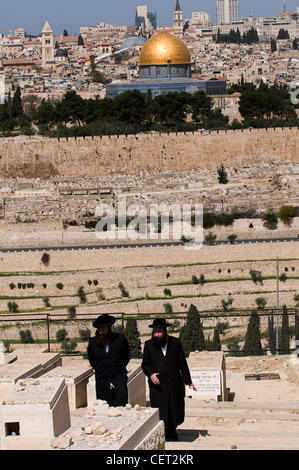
{"x":103,"y":320}
{"x":159,"y":323}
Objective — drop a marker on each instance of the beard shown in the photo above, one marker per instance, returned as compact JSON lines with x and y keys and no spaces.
{"x":161,"y":341}
{"x":103,"y":338}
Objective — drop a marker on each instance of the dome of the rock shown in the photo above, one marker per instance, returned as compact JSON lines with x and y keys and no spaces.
{"x":164,"y":48}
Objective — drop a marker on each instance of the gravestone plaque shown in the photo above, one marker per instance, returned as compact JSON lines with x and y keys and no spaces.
{"x":206,"y":383}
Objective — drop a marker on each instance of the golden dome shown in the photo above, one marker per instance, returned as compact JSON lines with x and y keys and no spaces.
{"x":164,"y":48}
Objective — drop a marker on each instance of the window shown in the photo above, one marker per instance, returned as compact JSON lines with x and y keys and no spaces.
{"x":12,"y":429}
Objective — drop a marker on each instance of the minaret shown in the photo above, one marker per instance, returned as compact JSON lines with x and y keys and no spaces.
{"x":178,"y":20}
{"x":47,"y":45}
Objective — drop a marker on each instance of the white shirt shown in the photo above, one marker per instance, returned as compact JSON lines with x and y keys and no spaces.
{"x":164,"y":348}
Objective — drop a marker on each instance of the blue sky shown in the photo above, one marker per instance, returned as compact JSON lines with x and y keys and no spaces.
{"x":71,"y":14}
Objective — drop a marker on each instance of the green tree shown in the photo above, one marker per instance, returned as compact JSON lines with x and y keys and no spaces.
{"x":85,"y":334}
{"x":222,"y":175}
{"x":253,"y":345}
{"x":61,"y":334}
{"x":273,"y":45}
{"x":286,"y":214}
{"x":200,"y":105}
{"x":16,"y":104}
{"x":80,"y":40}
{"x":284,"y":337}
{"x":26,"y":337}
{"x":68,"y":345}
{"x":191,"y":335}
{"x":133,"y":336}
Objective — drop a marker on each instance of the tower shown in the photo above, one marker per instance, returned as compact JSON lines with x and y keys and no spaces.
{"x":178,"y":20}
{"x":47,"y":45}
{"x":227,"y":11}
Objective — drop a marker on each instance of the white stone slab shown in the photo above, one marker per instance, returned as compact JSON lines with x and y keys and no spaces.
{"x":33,"y":413}
{"x":126,"y":430}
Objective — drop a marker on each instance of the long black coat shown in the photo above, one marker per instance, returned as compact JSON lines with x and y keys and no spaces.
{"x":110,"y":368}
{"x":173,"y":371}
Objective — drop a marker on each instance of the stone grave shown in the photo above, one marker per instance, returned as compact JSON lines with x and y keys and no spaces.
{"x":76,"y":379}
{"x":119,"y":428}
{"x":33,"y":413}
{"x":47,"y":360}
{"x":208,"y":375}
{"x":136,"y":387}
{"x":11,"y":373}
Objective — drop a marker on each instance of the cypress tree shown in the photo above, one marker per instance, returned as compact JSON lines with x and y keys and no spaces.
{"x":284,"y":346}
{"x":191,"y":335}
{"x":216,"y":344}
{"x":252,"y":345}
{"x":16,"y":104}
{"x":133,"y":337}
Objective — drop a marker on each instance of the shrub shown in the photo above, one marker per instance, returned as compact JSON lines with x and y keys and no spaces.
{"x":210,"y":238}
{"x":124,"y":292}
{"x":85,"y":334}
{"x":46,"y":302}
{"x":261,"y":302}
{"x":81,"y":294}
{"x":286,"y":214}
{"x":45,"y":259}
{"x":68,"y":345}
{"x":12,"y":285}
{"x":71,"y":311}
{"x":13,"y":307}
{"x":256,"y":276}
{"x":61,"y":334}
{"x":26,"y":337}
{"x":59,"y":285}
{"x":167,"y":292}
{"x":270,"y":220}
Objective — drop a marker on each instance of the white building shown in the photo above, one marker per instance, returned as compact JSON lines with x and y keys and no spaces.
{"x":227,"y":11}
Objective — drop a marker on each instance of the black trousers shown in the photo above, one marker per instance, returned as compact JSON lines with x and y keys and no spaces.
{"x":116,"y":395}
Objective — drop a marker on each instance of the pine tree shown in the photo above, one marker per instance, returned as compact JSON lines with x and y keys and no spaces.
{"x":192,"y":336}
{"x":252,"y":345}
{"x":133,"y":337}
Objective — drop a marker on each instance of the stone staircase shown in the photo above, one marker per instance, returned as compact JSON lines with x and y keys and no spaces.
{"x":240,"y":426}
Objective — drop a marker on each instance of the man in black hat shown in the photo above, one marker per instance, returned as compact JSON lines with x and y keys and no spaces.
{"x":109,"y":354}
{"x":165,"y":365}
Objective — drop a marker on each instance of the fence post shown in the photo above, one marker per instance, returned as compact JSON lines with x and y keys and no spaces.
{"x":48,"y":331}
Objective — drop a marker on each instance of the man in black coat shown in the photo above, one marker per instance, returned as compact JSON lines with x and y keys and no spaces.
{"x":109,"y":354}
{"x":165,"y":365}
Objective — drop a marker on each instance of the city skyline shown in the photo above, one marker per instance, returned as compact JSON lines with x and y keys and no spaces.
{"x":72,"y":14}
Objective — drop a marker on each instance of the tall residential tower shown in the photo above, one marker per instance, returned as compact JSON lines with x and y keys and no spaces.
{"x":227,"y":11}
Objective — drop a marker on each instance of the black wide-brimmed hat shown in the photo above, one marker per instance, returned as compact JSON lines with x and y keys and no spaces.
{"x":103,"y":320}
{"x":159,"y":323}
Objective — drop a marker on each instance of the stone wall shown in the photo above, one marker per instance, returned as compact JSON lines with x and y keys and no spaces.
{"x":32,"y":157}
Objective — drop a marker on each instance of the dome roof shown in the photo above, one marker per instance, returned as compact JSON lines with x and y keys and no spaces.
{"x":133,"y":41}
{"x":164,"y":48}
{"x":61,"y":53}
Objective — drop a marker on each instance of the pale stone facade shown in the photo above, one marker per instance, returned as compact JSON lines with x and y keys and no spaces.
{"x":32,"y":157}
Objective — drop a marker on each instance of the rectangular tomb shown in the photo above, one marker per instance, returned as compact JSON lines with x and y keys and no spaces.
{"x":35,"y":412}
{"x":47,"y":359}
{"x":76,"y":380}
{"x":120,"y":428}
{"x":11,"y":373}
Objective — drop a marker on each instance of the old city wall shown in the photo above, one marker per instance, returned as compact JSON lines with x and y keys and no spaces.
{"x":33,"y":157}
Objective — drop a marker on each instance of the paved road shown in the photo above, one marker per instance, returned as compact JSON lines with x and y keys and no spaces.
{"x":142,"y":245}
